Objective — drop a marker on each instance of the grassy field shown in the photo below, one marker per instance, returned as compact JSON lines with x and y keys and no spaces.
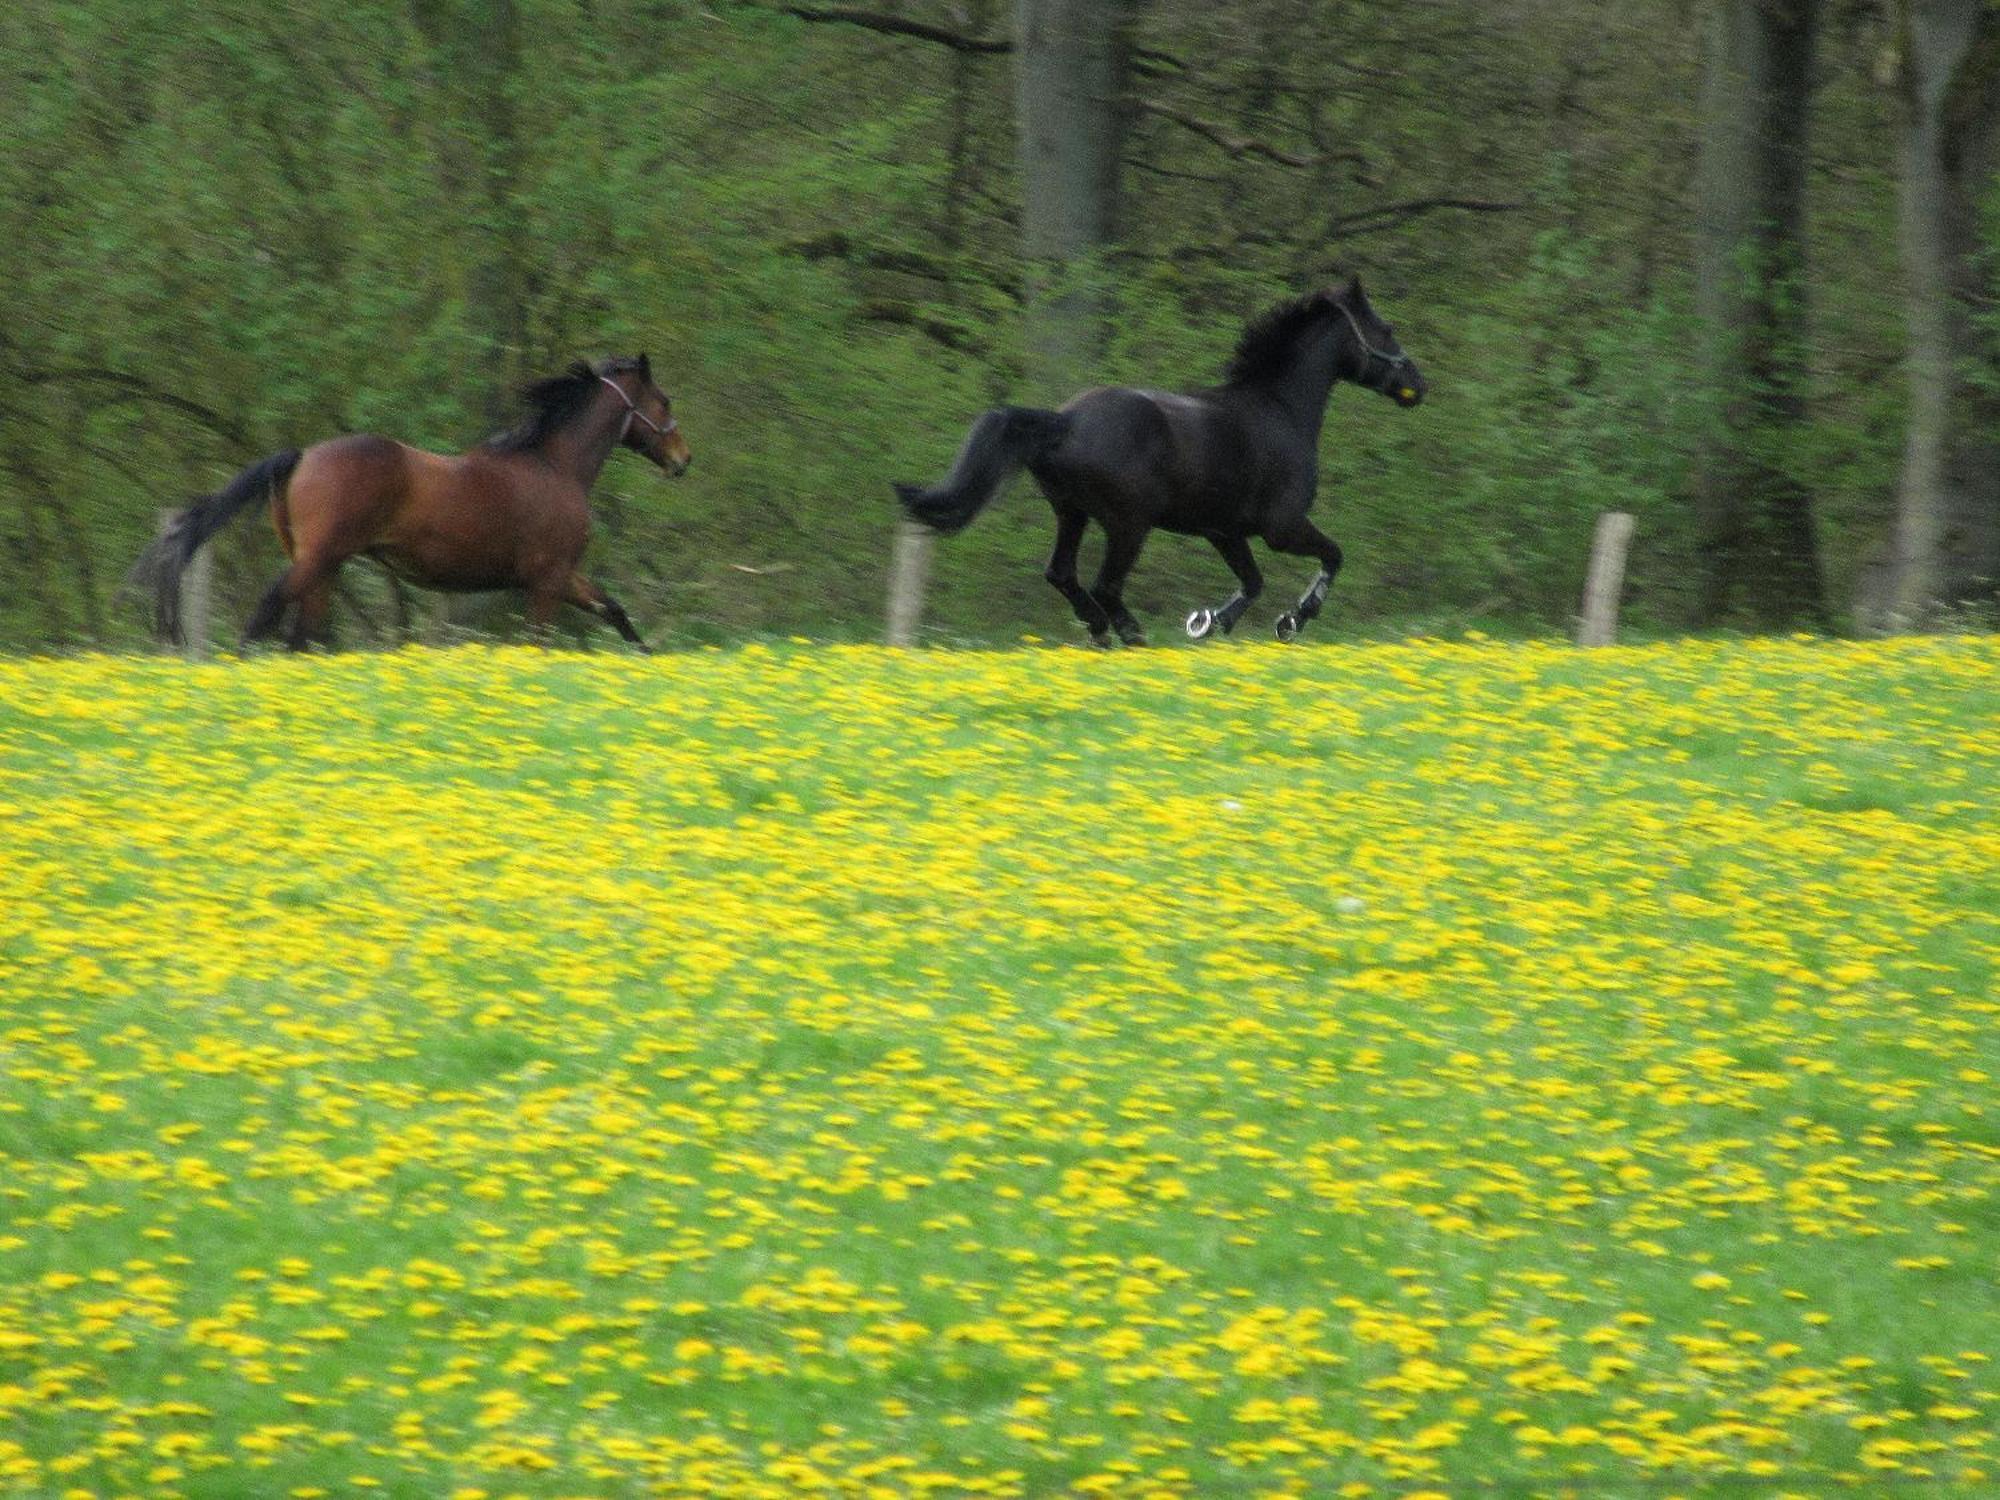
{"x":1442,"y":1069}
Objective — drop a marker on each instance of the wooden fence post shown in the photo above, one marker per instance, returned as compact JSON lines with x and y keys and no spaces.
{"x":446,"y":623}
{"x":909,"y":568}
{"x":197,"y":587}
{"x":1601,"y":589}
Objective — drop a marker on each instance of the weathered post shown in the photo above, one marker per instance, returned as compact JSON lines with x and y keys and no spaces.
{"x":909,"y":568}
{"x":446,"y":622}
{"x":197,"y":585}
{"x":1606,"y":579}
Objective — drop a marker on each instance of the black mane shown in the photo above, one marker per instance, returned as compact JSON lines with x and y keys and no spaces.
{"x":552,"y":404}
{"x":1268,"y":345}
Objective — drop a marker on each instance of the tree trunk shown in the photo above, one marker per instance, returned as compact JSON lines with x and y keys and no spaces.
{"x":1946,"y":548}
{"x":1071,"y":113}
{"x":36,"y":557}
{"x":496,"y":281}
{"x":477,"y":56}
{"x":960,"y":152}
{"x":1759,"y":551}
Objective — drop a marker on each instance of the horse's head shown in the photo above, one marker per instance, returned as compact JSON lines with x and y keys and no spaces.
{"x":1378,"y":360}
{"x":652,"y":430}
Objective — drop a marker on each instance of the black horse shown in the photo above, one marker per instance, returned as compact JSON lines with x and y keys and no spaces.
{"x":1238,"y":461}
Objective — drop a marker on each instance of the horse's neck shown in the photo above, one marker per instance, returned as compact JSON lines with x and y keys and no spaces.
{"x":582,"y":448}
{"x":1307,"y":385}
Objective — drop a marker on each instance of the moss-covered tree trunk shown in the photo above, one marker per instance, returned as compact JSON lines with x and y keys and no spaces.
{"x":1760,"y":555}
{"x":498,"y":275}
{"x":476,"y":48}
{"x":1071,"y":113}
{"x":1946,"y":547}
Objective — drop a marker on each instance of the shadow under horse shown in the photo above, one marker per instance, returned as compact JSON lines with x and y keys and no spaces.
{"x":512,"y":513}
{"x":1238,"y":461}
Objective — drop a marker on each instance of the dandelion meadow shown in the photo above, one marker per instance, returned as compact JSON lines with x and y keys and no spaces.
{"x":1433,"y":1069}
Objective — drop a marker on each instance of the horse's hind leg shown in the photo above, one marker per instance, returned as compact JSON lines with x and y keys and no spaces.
{"x":313,"y":626}
{"x":586,"y":595}
{"x":309,"y":585}
{"x":1061,"y":572}
{"x":1298,"y":537}
{"x":270,"y":611}
{"x":1121,"y":550}
{"x":1236,"y":552}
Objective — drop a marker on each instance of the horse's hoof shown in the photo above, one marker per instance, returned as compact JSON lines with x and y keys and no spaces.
{"x":1288,"y":626}
{"x":1101,"y":639}
{"x":1200,"y":623}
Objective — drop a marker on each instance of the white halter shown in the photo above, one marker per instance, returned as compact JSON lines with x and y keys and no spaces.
{"x":632,"y":411}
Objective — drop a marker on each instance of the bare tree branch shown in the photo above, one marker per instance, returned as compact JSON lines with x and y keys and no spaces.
{"x":1372,"y":219}
{"x":137,"y":389}
{"x":873,"y":20}
{"x":1240,"y":146}
{"x":1146,"y":60}
{"x":1139,"y":164}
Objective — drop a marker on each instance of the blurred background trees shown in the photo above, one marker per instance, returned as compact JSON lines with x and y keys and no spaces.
{"x":1943,"y":61}
{"x":1727,"y":264}
{"x":1759,"y":545}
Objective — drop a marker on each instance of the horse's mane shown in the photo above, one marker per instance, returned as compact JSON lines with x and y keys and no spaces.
{"x":1266,"y":345}
{"x":552,"y":404}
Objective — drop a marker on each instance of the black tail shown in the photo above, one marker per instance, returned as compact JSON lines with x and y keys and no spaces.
{"x":183,"y":536}
{"x":998,"y":445}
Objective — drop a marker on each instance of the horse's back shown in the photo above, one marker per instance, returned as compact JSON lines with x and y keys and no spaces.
{"x":1112,"y":429}
{"x":486,"y":519}
{"x":1160,"y":456}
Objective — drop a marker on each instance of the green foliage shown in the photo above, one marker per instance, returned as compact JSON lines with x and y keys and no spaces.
{"x":232,"y":229}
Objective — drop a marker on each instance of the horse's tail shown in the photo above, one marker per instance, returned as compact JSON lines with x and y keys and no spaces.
{"x":187,"y":530}
{"x":998,"y":445}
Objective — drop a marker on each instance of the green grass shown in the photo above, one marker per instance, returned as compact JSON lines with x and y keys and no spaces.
{"x":1454,"y":1068}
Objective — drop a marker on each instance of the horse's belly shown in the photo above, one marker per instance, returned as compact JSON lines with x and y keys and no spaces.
{"x":1207,"y":513}
{"x":430,"y":568}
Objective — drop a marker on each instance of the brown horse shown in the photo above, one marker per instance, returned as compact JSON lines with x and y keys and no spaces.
{"x":512,"y":513}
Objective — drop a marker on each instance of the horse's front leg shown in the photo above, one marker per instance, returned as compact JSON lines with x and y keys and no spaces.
{"x":588,"y":596}
{"x":1300,"y":538}
{"x":545,"y":597}
{"x":1236,"y":552}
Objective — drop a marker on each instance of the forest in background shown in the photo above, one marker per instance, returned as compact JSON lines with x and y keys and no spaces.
{"x":234,"y":228}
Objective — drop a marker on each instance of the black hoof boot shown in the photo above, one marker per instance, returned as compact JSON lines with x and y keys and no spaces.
{"x":1102,"y":640}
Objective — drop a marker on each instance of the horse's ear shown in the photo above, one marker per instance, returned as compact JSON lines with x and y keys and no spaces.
{"x":1354,"y":293}
{"x":645,"y":367}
